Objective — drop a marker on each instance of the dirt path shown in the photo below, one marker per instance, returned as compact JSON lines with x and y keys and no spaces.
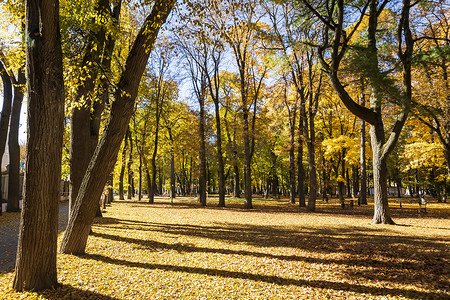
{"x":9,"y":232}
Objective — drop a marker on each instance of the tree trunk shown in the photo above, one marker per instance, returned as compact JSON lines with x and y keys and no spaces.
{"x":341,"y":183}
{"x":354,"y":181}
{"x":236,"y":181}
{"x":202,"y":151}
{"x":4,"y":118}
{"x":300,"y":168}
{"x":149,"y":181}
{"x":381,"y":208}
{"x":221,"y":171}
{"x":36,"y":252}
{"x":312,"y":166}
{"x":292,"y":182}
{"x":172,"y":165}
{"x":247,"y":164}
{"x":130,"y":171}
{"x":122,"y":169}
{"x":140,"y":178}
{"x":110,"y":184}
{"x":172,"y":175}
{"x":13,"y":146}
{"x":105,"y":155}
{"x":79,"y":150}
{"x":347,"y":178}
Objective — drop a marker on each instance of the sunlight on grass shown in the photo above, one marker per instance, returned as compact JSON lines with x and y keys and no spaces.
{"x":276,"y":251}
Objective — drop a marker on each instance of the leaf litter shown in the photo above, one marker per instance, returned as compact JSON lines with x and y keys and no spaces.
{"x":276,"y":251}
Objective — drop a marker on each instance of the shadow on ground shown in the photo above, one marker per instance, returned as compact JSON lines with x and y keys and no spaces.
{"x":370,"y":254}
{"x":70,"y":292}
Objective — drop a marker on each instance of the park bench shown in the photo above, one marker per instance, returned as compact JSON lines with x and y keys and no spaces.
{"x":422,"y":203}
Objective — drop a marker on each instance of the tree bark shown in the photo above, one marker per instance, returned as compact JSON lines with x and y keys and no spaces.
{"x":13,"y":144}
{"x":105,"y":155}
{"x":4,"y":118}
{"x":381,"y":208}
{"x":36,"y":252}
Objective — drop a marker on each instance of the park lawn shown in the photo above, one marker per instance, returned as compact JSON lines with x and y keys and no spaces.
{"x":275,"y":251}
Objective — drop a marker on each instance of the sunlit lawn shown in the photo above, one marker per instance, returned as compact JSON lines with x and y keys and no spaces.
{"x":275,"y":251}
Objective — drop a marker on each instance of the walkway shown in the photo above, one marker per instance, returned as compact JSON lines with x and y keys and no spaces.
{"x":9,"y":233}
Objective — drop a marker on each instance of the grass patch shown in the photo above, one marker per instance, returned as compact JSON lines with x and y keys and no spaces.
{"x":275,"y":251}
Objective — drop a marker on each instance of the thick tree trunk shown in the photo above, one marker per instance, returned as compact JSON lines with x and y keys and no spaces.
{"x":13,"y":145}
{"x":80,"y":150}
{"x":105,"y":155}
{"x":36,"y":252}
{"x":381,"y":208}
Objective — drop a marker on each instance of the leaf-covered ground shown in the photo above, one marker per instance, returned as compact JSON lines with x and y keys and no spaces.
{"x":275,"y":251}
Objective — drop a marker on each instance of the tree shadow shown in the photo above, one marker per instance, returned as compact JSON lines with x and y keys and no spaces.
{"x":381,"y":256}
{"x":322,"y":284}
{"x":65,"y":291}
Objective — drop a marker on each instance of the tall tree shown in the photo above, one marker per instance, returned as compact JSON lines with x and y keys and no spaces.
{"x":241,"y":37}
{"x":196,"y":53}
{"x":105,"y":155}
{"x":336,"y":39}
{"x":36,"y":252}
{"x":432,"y":90}
{"x":160,"y":93}
{"x":207,"y":52}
